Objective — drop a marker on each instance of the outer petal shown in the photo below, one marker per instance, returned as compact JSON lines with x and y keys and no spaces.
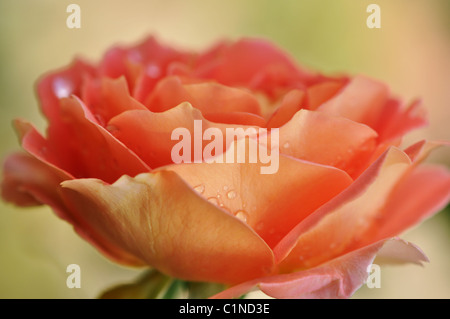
{"x":80,"y":146}
{"x":423,"y":192}
{"x":160,"y":219}
{"x":29,"y":181}
{"x":330,"y":231}
{"x":60,"y":84}
{"x":271,"y":204}
{"x":373,"y":208}
{"x":338,"y":278}
{"x":398,"y":120}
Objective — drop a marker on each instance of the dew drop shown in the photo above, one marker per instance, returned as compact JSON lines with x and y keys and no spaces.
{"x":225,"y":188}
{"x":62,"y":87}
{"x":286,"y":145}
{"x":213,"y":200}
{"x":242,"y":215}
{"x":231,"y":194}
{"x":200,"y":188}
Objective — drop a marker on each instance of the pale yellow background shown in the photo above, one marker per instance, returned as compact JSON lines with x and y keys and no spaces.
{"x":411,"y":52}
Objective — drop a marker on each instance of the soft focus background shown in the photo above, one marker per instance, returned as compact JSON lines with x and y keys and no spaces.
{"x":411,"y":52}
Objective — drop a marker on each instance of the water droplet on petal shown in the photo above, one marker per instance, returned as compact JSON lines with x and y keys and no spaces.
{"x":231,"y":194}
{"x":242,"y":215}
{"x":62,"y":87}
{"x":286,"y":145}
{"x":213,"y":200}
{"x":200,"y":188}
{"x":225,"y":188}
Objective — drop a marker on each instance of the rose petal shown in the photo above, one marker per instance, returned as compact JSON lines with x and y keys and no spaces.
{"x":236,"y":118}
{"x":397,"y":120}
{"x":423,"y":192}
{"x":149,"y":134}
{"x":250,"y":62}
{"x":107,"y":98}
{"x":160,"y":219}
{"x":29,"y":181}
{"x":322,"y":92}
{"x":333,"y":228}
{"x":399,"y":251}
{"x":271,"y":204}
{"x":207,"y":97}
{"x":337,"y":278}
{"x":60,"y":84}
{"x":290,"y":104}
{"x":80,"y":146}
{"x":362,"y":100}
{"x":328,"y":140}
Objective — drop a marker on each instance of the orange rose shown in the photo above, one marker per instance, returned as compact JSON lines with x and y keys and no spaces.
{"x":342,"y":191}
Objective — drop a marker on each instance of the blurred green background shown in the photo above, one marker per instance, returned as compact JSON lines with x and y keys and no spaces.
{"x":411,"y":52}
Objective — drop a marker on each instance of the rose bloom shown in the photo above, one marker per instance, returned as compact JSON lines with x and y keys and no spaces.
{"x":343,"y":191}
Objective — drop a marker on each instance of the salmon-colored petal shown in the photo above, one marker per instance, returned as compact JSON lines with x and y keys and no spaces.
{"x":423,"y":192}
{"x":270,"y":203}
{"x":168,"y":93}
{"x":328,"y":140}
{"x":60,"y":84}
{"x":208,"y":97}
{"x":361,"y":100}
{"x":337,"y":278}
{"x":420,"y":150}
{"x":237,"y":118}
{"x":398,"y":120}
{"x":336,"y":226}
{"x":80,"y":146}
{"x":29,"y":181}
{"x":320,"y":93}
{"x":149,"y":134}
{"x":290,"y":104}
{"x":160,"y":219}
{"x":250,"y":62}
{"x":107,"y":98}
